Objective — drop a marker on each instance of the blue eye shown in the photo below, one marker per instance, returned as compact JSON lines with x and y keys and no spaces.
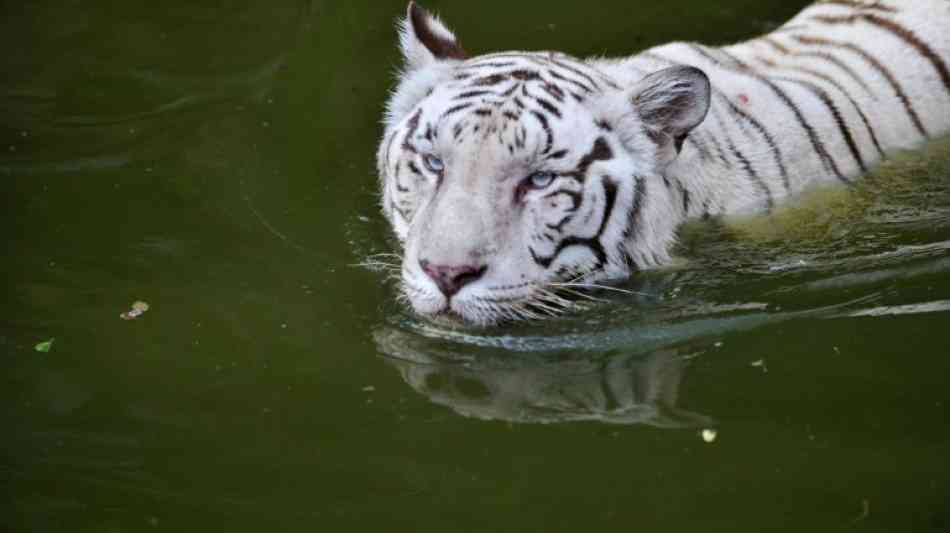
{"x":433,"y":163}
{"x":540,"y":180}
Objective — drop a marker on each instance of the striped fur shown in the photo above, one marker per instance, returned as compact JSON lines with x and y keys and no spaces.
{"x":628,"y":149}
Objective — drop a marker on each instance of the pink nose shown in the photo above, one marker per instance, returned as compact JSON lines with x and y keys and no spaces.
{"x":451,"y":279}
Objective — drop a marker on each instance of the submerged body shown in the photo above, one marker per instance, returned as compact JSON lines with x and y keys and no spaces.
{"x":512,"y":177}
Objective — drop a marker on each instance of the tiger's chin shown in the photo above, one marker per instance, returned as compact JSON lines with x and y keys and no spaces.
{"x":477,"y":309}
{"x":455,"y":313}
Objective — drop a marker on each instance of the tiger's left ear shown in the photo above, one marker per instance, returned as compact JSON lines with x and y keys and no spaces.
{"x":425,"y":40}
{"x":670,"y":103}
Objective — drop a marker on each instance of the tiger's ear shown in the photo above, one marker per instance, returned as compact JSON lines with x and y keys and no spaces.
{"x":670,"y":103}
{"x":425,"y":40}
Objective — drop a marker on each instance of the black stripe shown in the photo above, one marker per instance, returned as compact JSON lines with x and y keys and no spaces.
{"x":862,"y":4}
{"x":575,"y":196}
{"x":486,"y":64}
{"x":455,"y":109}
{"x":524,"y":75}
{"x":592,"y":243}
{"x":412,"y":126}
{"x":600,"y":151}
{"x":700,"y":147}
{"x":509,"y":91}
{"x":549,"y":107}
{"x":566,"y":62}
{"x":554,"y":91}
{"x":743,"y":161}
{"x":707,"y":53}
{"x":404,"y":213}
{"x":575,"y":70}
{"x":547,"y":130}
{"x":877,"y":65}
{"x":491,"y":79}
{"x":396,"y":176}
{"x":816,"y":142}
{"x":719,"y":151}
{"x":561,"y":223}
{"x":753,"y":175}
{"x":823,"y":56}
{"x":835,"y":113}
{"x":558,"y":76}
{"x":905,"y":34}
{"x":470,"y":94}
{"x":634,"y":222}
{"x":685,"y":192}
{"x":547,"y":59}
{"x":773,"y":146}
{"x":831,"y":81}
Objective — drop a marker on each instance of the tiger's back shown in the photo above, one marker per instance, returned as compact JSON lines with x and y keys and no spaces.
{"x":822,"y":98}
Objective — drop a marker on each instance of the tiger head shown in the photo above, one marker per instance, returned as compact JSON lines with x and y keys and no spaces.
{"x":510,"y":178}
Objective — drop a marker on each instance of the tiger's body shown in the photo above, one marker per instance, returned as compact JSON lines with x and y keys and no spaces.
{"x":510,"y":177}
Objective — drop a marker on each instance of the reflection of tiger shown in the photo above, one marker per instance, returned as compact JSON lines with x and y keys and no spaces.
{"x":511,"y":177}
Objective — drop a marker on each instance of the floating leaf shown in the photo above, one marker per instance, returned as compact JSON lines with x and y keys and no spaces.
{"x":138,"y":308}
{"x":44,"y":346}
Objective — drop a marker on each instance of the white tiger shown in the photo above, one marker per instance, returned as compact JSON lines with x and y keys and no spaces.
{"x":512,"y":177}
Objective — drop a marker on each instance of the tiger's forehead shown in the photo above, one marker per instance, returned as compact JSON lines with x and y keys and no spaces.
{"x":549,"y":77}
{"x":575,"y":77}
{"x":518,"y":97}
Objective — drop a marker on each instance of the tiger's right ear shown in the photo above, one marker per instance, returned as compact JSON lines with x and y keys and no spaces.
{"x":425,"y":40}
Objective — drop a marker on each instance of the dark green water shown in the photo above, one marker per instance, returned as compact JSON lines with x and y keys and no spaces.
{"x":216,"y":161}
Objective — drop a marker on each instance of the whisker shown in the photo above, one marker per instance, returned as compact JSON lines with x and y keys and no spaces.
{"x":601,"y":287}
{"x":580,"y":294}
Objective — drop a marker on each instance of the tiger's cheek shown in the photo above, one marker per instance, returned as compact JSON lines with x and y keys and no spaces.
{"x":406,"y":191}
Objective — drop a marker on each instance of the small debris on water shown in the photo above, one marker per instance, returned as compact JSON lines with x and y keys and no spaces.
{"x":865,"y":511}
{"x":837,"y":351}
{"x":718,"y":344}
{"x":760,"y":364}
{"x":138,"y":309}
{"x":361,"y":218}
{"x":369,"y":388}
{"x":709,"y":435}
{"x":45,"y":346}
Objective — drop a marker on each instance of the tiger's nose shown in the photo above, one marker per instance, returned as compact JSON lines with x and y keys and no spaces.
{"x":450,"y":279}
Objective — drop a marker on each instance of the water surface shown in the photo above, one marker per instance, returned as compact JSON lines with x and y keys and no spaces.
{"x":216,"y":162}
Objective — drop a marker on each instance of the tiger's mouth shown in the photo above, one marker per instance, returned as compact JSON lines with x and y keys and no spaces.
{"x":482,"y":311}
{"x":449,"y":317}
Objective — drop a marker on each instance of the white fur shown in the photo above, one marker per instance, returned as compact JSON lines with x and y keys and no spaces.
{"x":726,"y":165}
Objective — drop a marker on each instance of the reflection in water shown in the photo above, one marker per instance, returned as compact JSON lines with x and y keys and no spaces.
{"x":613,"y":388}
